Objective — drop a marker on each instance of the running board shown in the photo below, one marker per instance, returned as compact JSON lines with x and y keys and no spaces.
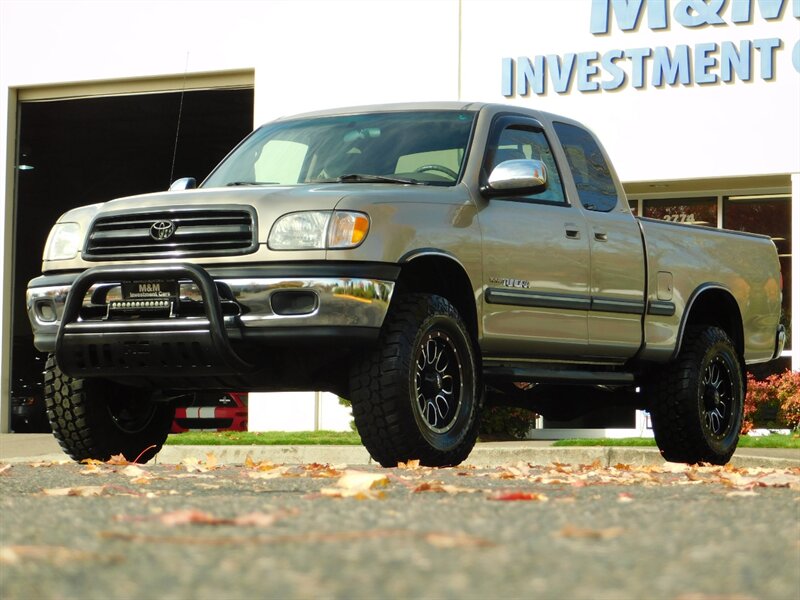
{"x":553,"y":373}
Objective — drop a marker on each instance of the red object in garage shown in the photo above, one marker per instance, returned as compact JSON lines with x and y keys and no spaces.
{"x":213,"y":410}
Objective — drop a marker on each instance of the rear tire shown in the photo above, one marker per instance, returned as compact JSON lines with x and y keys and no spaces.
{"x":415,"y":396}
{"x":698,"y":400}
{"x":97,"y":419}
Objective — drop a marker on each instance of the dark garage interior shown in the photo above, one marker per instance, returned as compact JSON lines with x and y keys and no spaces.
{"x":87,"y":150}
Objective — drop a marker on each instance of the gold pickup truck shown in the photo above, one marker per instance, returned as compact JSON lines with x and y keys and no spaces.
{"x":421,"y":260}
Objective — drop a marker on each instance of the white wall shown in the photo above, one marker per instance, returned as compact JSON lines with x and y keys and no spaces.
{"x":297,"y":411}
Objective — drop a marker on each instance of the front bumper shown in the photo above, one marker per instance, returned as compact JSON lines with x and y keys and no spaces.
{"x":77,"y":317}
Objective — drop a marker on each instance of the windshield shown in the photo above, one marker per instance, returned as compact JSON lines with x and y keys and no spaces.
{"x":425,"y":147}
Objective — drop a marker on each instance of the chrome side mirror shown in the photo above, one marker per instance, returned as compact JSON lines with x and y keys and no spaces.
{"x":517,"y":177}
{"x":184,"y":183}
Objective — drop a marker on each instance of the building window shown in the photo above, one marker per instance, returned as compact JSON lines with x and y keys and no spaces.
{"x":772,"y":216}
{"x":693,"y":211}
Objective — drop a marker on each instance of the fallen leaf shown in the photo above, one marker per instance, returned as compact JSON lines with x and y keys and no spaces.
{"x":321,"y":470}
{"x":273,"y":473}
{"x":572,"y":531}
{"x":436,"y":486}
{"x":4,"y":469}
{"x":13,"y":555}
{"x":84,"y":491}
{"x":211,"y":461}
{"x":117,"y":459}
{"x":410,"y":465}
{"x":456,"y":540}
{"x":359,"y":485}
{"x":516,"y":496}
{"x":741,"y":494}
{"x":190,"y":517}
{"x":624,"y":497}
{"x":92,"y":469}
{"x":357,"y":494}
{"x":133,"y":471}
{"x":362,"y":481}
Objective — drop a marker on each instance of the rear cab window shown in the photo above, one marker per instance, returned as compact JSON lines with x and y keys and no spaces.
{"x":590,"y":170}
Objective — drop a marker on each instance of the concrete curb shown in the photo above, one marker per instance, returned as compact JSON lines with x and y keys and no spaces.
{"x":22,"y":448}
{"x":481,"y":456}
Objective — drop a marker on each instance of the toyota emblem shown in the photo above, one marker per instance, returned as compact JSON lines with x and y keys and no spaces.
{"x":162,"y":230}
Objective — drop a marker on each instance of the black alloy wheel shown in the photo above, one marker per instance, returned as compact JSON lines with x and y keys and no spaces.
{"x":415,"y":396}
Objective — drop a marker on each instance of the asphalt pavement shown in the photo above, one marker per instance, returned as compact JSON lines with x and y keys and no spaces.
{"x":19,"y":447}
{"x":198,"y":531}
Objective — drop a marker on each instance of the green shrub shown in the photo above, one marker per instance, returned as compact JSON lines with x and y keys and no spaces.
{"x":507,"y":422}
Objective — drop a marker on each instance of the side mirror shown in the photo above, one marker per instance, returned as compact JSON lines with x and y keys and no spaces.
{"x":517,"y":178}
{"x":184,"y":183}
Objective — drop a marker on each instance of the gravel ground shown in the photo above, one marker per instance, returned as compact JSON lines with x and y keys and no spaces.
{"x":201,"y":531}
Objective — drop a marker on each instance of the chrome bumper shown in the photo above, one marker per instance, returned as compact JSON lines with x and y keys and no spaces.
{"x":249,"y":303}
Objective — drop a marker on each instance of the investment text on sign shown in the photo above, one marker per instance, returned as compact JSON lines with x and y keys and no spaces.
{"x":702,"y":63}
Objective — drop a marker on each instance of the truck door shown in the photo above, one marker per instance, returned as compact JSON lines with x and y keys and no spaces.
{"x":617,"y":278}
{"x":535,"y":256}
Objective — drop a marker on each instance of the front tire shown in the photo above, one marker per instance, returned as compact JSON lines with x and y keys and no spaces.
{"x":698,"y":401}
{"x":97,"y":419}
{"x":415,"y":396}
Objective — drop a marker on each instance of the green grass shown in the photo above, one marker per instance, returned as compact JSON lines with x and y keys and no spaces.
{"x":264,"y":438}
{"x":766,"y":441}
{"x":348,"y":438}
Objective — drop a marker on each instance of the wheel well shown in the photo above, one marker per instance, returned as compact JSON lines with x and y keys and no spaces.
{"x":445,"y":277}
{"x":718,"y":307}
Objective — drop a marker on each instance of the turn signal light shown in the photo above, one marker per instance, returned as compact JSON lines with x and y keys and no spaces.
{"x":347,"y":229}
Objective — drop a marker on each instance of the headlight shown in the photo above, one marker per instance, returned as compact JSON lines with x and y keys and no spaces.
{"x":319,"y":229}
{"x":63,"y":242}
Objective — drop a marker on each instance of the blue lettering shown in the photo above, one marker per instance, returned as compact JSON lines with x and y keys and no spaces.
{"x":617,"y":74}
{"x":742,"y":10}
{"x":738,"y":60}
{"x":698,"y":13}
{"x":507,"y":83}
{"x":561,"y":72}
{"x":703,"y":62}
{"x":530,"y":75}
{"x":796,"y":57}
{"x":628,"y":14}
{"x":766,"y":48}
{"x":586,"y":70}
{"x":669,"y":69}
{"x":637,"y":56}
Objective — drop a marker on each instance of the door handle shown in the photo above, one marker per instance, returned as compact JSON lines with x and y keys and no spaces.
{"x":601,"y":236}
{"x":572,"y":231}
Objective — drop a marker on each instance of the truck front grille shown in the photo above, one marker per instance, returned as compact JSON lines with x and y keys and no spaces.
{"x":170,"y":233}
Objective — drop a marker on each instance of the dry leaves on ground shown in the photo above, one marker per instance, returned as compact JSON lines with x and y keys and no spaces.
{"x":14,"y":555}
{"x":358,"y":484}
{"x":191,"y":516}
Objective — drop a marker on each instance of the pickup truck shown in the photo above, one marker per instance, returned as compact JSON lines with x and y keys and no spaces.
{"x":420,"y":260}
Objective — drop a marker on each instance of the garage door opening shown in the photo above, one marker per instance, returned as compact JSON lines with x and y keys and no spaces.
{"x":87,"y":150}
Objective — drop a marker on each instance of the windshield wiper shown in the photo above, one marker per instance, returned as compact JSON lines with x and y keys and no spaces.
{"x":252,"y":183}
{"x":362,"y":178}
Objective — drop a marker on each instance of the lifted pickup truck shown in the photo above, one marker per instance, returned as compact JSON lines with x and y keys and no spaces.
{"x":421,"y":260}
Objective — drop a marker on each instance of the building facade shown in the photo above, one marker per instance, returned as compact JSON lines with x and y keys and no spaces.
{"x":696,"y":101}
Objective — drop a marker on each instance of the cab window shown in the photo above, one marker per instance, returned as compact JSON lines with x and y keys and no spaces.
{"x":521,"y":142}
{"x":589,"y":168}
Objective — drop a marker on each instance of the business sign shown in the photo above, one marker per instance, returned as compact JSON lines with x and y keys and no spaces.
{"x":703,"y":63}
